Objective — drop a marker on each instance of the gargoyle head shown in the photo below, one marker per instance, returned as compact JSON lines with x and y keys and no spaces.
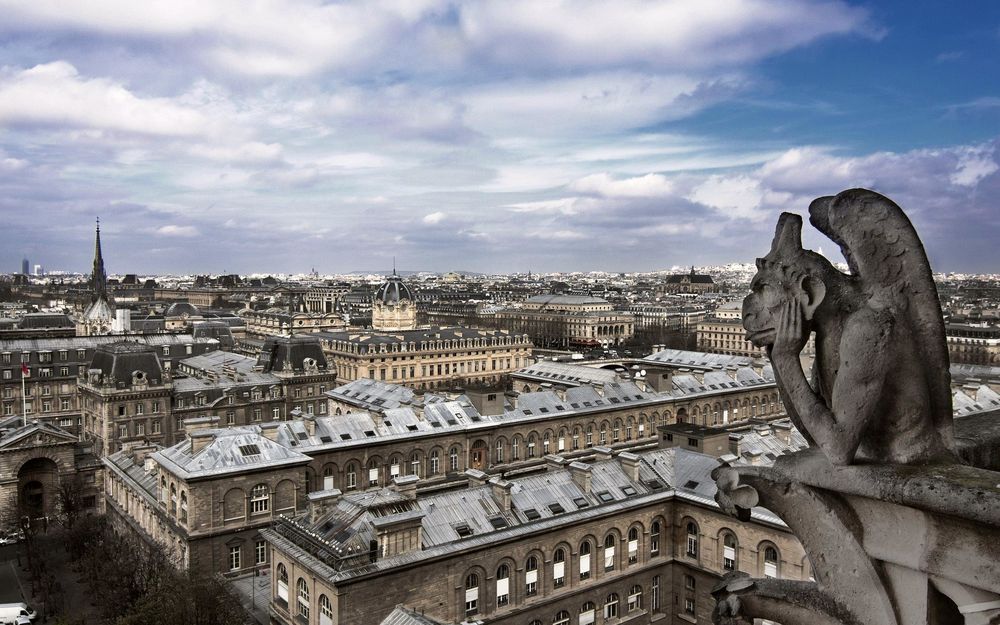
{"x":787,"y":272}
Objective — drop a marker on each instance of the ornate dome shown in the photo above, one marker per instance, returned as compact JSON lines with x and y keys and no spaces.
{"x":393,"y":291}
{"x":181,"y":309}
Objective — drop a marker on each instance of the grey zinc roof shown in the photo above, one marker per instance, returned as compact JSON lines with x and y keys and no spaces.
{"x":372,"y":394}
{"x":981,"y":398}
{"x":565,"y":299}
{"x":697,"y":360}
{"x":123,"y":462}
{"x":564,"y":373}
{"x":340,"y":537}
{"x":227,"y":453}
{"x":81,"y":342}
{"x":20,"y":432}
{"x":404,"y":616}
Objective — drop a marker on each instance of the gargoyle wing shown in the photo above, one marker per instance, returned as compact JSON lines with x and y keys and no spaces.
{"x":883,"y":250}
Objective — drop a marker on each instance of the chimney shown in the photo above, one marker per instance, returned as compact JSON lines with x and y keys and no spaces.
{"x":560,"y":392}
{"x":581,"y":474}
{"x":501,"y":492}
{"x":660,"y":380}
{"x":200,"y":440}
{"x":321,"y":502}
{"x":603,"y":453}
{"x":554,"y":462}
{"x":270,"y":430}
{"x":731,"y":370}
{"x":309,"y":421}
{"x":406,"y":485}
{"x":630,"y":463}
{"x":783,"y":431}
{"x":476,"y":477}
{"x":699,"y":375}
{"x":196,"y":424}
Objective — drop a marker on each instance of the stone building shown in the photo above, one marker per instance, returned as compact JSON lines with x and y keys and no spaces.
{"x":129,"y":398}
{"x":206,"y":498}
{"x":426,"y":358}
{"x":282,"y":322}
{"x":973,"y":343}
{"x":627,"y":537}
{"x":689,"y":283}
{"x":394,"y":308}
{"x":55,"y":364}
{"x":323,"y":298}
{"x":45,"y":471}
{"x":568,"y":320}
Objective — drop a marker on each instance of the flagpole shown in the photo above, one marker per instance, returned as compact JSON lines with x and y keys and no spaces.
{"x":24,"y":399}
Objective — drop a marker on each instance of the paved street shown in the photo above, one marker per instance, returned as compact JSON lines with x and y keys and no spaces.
{"x":253,"y":592}
{"x":10,"y":590}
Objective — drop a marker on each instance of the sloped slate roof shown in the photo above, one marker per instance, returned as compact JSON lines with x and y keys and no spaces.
{"x":227,"y":452}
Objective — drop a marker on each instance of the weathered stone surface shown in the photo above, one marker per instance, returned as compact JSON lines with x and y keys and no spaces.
{"x":880,"y":389}
{"x":898,"y":532}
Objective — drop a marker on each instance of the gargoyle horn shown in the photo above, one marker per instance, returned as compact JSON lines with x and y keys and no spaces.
{"x":787,"y":236}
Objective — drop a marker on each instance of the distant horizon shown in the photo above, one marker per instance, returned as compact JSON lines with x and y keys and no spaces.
{"x":218,"y":137}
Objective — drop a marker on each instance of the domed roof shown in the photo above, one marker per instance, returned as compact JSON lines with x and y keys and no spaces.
{"x":180,"y":309}
{"x":393,"y":291}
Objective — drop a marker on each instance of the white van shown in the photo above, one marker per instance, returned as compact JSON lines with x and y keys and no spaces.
{"x":15,"y":614}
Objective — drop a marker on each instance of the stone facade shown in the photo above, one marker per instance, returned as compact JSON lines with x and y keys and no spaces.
{"x":428,"y":358}
{"x":651,"y":557}
{"x":568,"y":320}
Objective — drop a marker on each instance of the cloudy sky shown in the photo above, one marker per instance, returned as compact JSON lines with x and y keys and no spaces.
{"x":497,"y":135}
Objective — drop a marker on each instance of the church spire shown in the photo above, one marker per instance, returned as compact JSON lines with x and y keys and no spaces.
{"x":99,"y":279}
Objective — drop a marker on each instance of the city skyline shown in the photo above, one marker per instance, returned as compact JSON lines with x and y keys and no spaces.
{"x":487,"y":137}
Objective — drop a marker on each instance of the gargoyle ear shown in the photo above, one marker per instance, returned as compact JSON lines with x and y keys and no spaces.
{"x":787,"y":236}
{"x":814,"y":290}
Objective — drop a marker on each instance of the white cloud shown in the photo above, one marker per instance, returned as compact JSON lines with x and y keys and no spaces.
{"x":177,"y":231}
{"x":250,"y":152}
{"x":54,"y":94}
{"x":434,"y":218}
{"x":737,"y":197}
{"x":564,"y":206}
{"x":973,"y":166}
{"x":650,"y":186}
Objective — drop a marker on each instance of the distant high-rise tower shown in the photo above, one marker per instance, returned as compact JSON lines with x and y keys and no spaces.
{"x":25,"y":265}
{"x":99,"y":316}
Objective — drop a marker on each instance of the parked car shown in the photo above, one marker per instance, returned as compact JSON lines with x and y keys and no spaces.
{"x":16,"y":614}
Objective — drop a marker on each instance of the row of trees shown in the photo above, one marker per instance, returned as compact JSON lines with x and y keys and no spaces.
{"x":127,"y":580}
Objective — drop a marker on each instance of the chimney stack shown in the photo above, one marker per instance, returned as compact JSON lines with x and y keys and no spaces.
{"x":581,"y":474}
{"x":476,"y":477}
{"x":270,"y":430}
{"x":406,"y":485}
{"x":321,"y":502}
{"x":501,"y":492}
{"x":200,"y":440}
{"x":554,"y":462}
{"x":603,"y":453}
{"x":630,"y":463}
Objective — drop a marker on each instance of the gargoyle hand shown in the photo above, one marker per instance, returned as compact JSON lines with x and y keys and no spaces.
{"x":791,"y":334}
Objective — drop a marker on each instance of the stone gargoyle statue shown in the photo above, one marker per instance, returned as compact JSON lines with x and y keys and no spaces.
{"x":881,"y":385}
{"x":880,"y":397}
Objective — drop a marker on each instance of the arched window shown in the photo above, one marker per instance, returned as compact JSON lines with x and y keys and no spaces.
{"x":435,"y":462}
{"x":373,"y":472}
{"x":531,"y":445}
{"x":609,"y":552}
{"x":328,"y":477}
{"x":352,"y":475}
{"x":559,"y":568}
{"x":302,"y":598}
{"x":635,"y":598}
{"x":770,"y":561}
{"x":587,"y":613}
{"x":184,"y":507}
{"x":692,"y":540}
{"x":531,"y":576}
{"x":259,"y":499}
{"x":729,"y":549}
{"x":503,"y":585}
{"x":654,"y":539}
{"x":499,"y":452}
{"x":453,"y":459}
{"x":283,"y":583}
{"x":471,"y":594}
{"x":325,"y":611}
{"x":415,"y":464}
{"x":585,"y":550}
{"x":514,"y":449}
{"x":633,"y":545}
{"x":173,"y":500}
{"x":562,"y":618}
{"x":611,"y":606}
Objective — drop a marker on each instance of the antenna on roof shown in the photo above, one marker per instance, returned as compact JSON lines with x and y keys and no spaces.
{"x":393,"y":265}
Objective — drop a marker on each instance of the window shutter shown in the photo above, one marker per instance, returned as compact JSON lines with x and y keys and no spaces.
{"x":325,"y":620}
{"x":531,"y":577}
{"x":283,"y":591}
{"x":327,"y":482}
{"x":559,"y":570}
{"x":609,"y":557}
{"x":770,"y":569}
{"x":585,"y":563}
{"x":372,"y":475}
{"x":587,"y":618}
{"x":503,"y":586}
{"x":633,"y":546}
{"x":729,"y":552}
